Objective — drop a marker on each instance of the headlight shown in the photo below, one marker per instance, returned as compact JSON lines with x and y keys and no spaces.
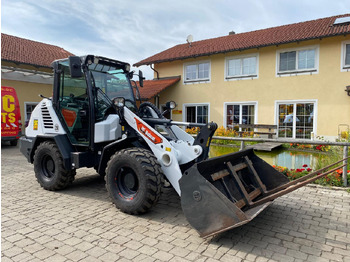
{"x":127,"y":68}
{"x":119,"y":101}
{"x":171,"y":105}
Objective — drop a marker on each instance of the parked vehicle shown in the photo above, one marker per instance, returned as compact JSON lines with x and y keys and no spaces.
{"x":92,"y":120}
{"x":11,"y":125}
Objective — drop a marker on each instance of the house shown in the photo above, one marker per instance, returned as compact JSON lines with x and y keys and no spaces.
{"x":26,"y":66}
{"x":292,"y":76}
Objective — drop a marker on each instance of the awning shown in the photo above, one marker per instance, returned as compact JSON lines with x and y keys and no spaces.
{"x":151,"y":88}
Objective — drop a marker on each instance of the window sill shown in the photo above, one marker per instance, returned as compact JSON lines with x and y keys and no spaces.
{"x":298,"y":72}
{"x":241,"y":77}
{"x":198,"y":81}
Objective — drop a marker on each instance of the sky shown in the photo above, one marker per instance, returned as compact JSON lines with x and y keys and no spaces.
{"x":132,"y":30}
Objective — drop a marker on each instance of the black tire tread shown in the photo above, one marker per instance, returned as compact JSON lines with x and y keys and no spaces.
{"x":65,"y":178}
{"x":153,"y":172}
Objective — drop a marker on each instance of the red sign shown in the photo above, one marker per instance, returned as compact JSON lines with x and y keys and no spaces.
{"x":148,"y":132}
{"x":10,"y":112}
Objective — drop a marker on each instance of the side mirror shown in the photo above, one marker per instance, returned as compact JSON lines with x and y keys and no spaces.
{"x":141,"y":78}
{"x":75,"y":67}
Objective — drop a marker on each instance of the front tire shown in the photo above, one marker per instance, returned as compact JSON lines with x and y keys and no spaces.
{"x":49,"y":169}
{"x":133,"y":180}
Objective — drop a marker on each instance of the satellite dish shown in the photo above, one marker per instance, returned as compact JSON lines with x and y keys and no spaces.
{"x":189,"y":39}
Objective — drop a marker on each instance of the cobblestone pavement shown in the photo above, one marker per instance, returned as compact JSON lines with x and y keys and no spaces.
{"x":81,"y":224}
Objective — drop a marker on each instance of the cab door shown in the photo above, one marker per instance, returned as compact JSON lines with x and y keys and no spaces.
{"x":73,"y":106}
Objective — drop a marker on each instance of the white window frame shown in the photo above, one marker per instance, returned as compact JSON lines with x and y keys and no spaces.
{"x":244,"y":103}
{"x":25,"y":108}
{"x":197,"y":80}
{"x":343,"y":66}
{"x":314,"y":101}
{"x":194,"y":104}
{"x":242,"y":76}
{"x":308,"y":71}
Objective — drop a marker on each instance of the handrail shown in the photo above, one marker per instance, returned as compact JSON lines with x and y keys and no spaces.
{"x":297,"y":141}
{"x":281,"y":140}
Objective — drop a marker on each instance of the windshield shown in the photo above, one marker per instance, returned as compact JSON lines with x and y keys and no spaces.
{"x":111,"y":81}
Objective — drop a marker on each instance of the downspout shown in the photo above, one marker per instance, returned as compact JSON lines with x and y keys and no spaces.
{"x":156,"y":101}
{"x":154,"y":71}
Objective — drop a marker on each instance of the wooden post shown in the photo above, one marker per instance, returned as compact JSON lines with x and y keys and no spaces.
{"x":345,"y":169}
{"x":242,"y":145}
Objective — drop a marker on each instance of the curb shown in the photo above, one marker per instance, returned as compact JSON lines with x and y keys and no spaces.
{"x":329,"y":187}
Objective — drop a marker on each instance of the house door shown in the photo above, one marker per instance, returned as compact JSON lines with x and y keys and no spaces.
{"x":296,"y":120}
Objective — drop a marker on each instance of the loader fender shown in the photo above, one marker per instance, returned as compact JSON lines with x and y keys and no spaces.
{"x":28,"y":146}
{"x":110,"y":150}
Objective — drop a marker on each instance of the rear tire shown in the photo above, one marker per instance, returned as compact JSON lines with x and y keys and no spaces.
{"x":49,"y":169}
{"x":133,"y":180}
{"x":13,"y":142}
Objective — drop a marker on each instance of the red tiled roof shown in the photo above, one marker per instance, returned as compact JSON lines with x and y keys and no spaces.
{"x":314,"y":29}
{"x":26,"y":51}
{"x":152,"y":88}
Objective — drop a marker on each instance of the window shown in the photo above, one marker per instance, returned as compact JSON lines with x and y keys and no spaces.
{"x":345,"y":63}
{"x":296,"y":119}
{"x":29,"y":107}
{"x":242,"y":66}
{"x":197,"y":72}
{"x":197,"y":113}
{"x":298,"y":61}
{"x":347,"y":55}
{"x":239,"y":113}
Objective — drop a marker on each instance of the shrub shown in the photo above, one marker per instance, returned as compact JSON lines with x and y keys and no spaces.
{"x":333,"y":179}
{"x":192,"y":131}
{"x":321,"y":148}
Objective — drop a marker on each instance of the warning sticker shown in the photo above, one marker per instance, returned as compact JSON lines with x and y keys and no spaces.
{"x":35,"y":124}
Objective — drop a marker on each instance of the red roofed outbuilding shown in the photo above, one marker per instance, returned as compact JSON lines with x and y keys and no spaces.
{"x":26,"y":66}
{"x":28,"y":52}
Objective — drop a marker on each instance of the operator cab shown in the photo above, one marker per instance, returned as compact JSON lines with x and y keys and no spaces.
{"x":84,"y":89}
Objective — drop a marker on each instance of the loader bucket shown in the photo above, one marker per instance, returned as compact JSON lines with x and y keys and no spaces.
{"x":221,"y":193}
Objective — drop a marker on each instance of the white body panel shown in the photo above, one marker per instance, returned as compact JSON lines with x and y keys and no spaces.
{"x":44,"y":120}
{"x":108,"y":129}
{"x":179,"y":132}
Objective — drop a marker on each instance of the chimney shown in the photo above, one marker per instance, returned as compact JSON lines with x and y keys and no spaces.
{"x":232,"y":33}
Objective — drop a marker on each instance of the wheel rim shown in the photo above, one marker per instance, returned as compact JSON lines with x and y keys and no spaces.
{"x":48,"y":165}
{"x":126,"y":182}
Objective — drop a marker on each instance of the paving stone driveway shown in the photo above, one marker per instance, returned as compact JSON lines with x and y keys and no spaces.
{"x":81,"y":224}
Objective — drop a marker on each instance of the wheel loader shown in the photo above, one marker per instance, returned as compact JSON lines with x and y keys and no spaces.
{"x":93,"y":120}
